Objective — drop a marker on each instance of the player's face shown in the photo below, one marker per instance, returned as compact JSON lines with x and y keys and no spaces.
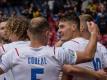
{"x":65,"y":30}
{"x":2,"y":30}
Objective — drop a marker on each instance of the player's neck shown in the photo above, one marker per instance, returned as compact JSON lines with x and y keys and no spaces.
{"x":36,"y":44}
{"x":76,"y":34}
{"x":86,"y":35}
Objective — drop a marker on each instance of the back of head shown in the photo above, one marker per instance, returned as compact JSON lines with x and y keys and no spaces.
{"x":38,"y":26}
{"x":39,"y":30}
{"x":72,"y":18}
{"x":18,"y":25}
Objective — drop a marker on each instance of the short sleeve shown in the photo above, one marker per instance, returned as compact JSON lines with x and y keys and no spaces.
{"x":71,"y":44}
{"x":1,"y":50}
{"x":66,"y":56}
{"x":4,"y":48}
{"x":6,"y":63}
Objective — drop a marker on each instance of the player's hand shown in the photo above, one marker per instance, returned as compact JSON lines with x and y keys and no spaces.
{"x":59,"y":43}
{"x":102,"y":75}
{"x":92,"y":27}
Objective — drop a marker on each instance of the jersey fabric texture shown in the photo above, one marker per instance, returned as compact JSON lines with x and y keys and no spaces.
{"x":37,"y":63}
{"x":4,"y":49}
{"x":100,"y":58}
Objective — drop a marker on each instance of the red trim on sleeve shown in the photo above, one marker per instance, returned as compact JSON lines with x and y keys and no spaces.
{"x":54,"y":50}
{"x":17,"y":51}
{"x":3,"y":48}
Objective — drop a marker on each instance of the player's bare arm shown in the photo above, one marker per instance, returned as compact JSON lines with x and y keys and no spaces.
{"x":89,"y":52}
{"x":79,"y":71}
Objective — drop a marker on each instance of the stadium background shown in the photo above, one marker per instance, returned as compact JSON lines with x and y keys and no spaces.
{"x":53,"y":9}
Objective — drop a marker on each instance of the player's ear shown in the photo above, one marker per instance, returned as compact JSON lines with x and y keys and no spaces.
{"x":28,"y":33}
{"x":74,"y":27}
{"x":47,"y":33}
{"x":81,"y":28}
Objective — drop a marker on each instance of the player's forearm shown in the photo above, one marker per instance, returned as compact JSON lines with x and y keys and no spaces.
{"x":105,"y":69}
{"x":91,"y":47}
{"x":78,"y":71}
{"x":89,"y":52}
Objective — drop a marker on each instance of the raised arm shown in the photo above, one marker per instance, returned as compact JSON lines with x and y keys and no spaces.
{"x":89,"y":52}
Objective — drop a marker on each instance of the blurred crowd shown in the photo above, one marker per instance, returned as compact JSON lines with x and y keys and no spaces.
{"x":53,"y":9}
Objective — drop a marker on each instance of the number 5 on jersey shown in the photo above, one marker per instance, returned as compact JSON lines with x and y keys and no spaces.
{"x":36,"y":71}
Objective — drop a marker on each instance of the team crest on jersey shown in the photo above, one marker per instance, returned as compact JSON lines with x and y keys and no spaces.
{"x":71,"y":52}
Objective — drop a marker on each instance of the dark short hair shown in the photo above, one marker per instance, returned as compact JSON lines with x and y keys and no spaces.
{"x":72,"y":17}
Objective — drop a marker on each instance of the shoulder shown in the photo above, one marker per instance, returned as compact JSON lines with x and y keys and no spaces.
{"x":74,"y":42}
{"x":70,"y":43}
{"x":101,"y":47}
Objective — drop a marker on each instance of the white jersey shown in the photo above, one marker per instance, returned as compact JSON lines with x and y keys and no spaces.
{"x":44,"y":63}
{"x":100,"y":59}
{"x":4,"y":49}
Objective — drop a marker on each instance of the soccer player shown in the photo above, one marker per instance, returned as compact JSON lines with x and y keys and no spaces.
{"x":39,"y":61}
{"x":79,"y":43}
{"x":16,"y":30}
{"x":3,"y":38}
